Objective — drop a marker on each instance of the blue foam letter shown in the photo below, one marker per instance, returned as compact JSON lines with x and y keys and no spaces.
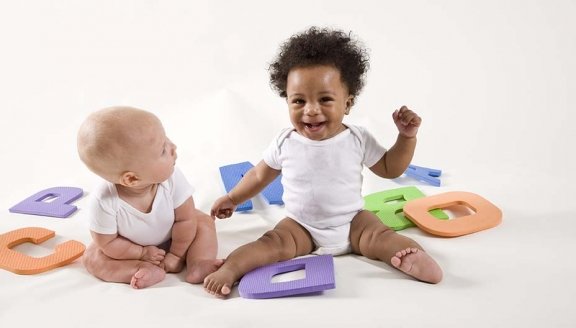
{"x":233,"y":173}
{"x":424,"y":174}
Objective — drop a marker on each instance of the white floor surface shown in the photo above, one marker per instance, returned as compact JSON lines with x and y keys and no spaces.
{"x":495,"y":84}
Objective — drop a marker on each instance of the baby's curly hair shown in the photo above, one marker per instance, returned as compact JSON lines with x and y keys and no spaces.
{"x":321,"y":46}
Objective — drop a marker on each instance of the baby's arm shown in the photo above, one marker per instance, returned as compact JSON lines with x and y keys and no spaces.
{"x":256,"y":179}
{"x":120,"y":248}
{"x":183,"y":233}
{"x":398,"y":157}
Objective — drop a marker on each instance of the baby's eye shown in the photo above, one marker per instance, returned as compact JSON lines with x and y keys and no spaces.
{"x":326,"y":99}
{"x":298,"y":101}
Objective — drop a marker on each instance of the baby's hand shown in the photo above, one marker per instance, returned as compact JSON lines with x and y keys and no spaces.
{"x":406,"y":121}
{"x":152,"y":254}
{"x":172,"y":263}
{"x":223,"y":207}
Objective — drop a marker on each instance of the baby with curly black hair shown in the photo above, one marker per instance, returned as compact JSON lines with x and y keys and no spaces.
{"x":319,"y":72}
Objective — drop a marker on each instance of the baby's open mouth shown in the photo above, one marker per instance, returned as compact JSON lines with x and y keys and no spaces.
{"x":314,"y":126}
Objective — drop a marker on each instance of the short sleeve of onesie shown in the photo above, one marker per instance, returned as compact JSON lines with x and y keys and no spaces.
{"x":271,"y":155}
{"x":181,"y":188}
{"x":373,"y":151}
{"x":102,"y":209}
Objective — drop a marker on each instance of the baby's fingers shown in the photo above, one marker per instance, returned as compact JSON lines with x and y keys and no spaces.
{"x":153,"y":262}
{"x":406,"y":117}
{"x":215,"y":212}
{"x":158,"y":255}
{"x":412,"y":119}
{"x":225,"y":213}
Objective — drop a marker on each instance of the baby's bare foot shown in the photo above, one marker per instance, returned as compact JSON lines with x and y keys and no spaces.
{"x":199,"y":269}
{"x":220,"y":283}
{"x":417,"y":264}
{"x":147,"y":275}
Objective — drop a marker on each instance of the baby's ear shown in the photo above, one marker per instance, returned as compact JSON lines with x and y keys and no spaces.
{"x":129,"y":179}
{"x":349,"y":104}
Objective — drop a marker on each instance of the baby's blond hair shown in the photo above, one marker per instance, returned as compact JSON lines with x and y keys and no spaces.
{"x":109,"y":138}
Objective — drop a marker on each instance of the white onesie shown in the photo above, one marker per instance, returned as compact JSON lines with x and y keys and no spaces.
{"x":322,"y":181}
{"x":109,"y":214}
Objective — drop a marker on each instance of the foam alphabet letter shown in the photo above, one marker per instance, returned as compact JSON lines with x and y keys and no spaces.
{"x":319,"y":276}
{"x":53,"y":202}
{"x":388,"y":206}
{"x":233,"y":173}
{"x":486,"y":215}
{"x":424,"y":174}
{"x":20,"y":263}
{"x":274,"y":191}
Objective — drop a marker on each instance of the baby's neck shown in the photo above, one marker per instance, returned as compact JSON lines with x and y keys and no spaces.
{"x":140,"y":198}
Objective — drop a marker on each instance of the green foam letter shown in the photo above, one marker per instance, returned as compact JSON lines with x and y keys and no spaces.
{"x":388,"y":205}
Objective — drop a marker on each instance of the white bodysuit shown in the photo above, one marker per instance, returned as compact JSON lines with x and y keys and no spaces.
{"x":322,"y":181}
{"x":109,"y":214}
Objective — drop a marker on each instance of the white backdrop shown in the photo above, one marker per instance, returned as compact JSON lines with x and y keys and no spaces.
{"x":494,"y":82}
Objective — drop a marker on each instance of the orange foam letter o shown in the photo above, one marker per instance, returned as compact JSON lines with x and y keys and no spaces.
{"x":486,"y":215}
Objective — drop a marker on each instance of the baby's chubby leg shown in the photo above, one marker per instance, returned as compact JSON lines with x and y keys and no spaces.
{"x":286,"y":241}
{"x":371,"y":238}
{"x":201,"y":256}
{"x":139,"y":274}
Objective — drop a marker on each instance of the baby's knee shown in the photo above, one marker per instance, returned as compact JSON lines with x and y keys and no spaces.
{"x":371,"y":240}
{"x":279,"y":241}
{"x":376,"y":234}
{"x":94,"y":260}
{"x":89,"y":258}
{"x":205,"y":222}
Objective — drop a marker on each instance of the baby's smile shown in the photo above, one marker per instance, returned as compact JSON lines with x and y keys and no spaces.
{"x":314,"y":126}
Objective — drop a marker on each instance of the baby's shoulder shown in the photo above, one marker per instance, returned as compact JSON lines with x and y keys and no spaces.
{"x":358,"y":131}
{"x":105,"y":193}
{"x":280,"y":137}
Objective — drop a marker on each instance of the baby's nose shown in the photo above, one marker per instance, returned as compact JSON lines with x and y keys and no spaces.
{"x":311,"y":109}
